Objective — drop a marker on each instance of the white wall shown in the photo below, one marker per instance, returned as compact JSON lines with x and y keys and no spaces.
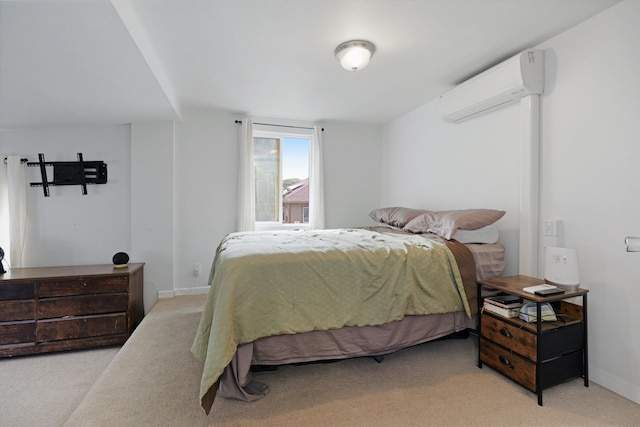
{"x":171,"y":193}
{"x":591,"y":179}
{"x":431,"y":164}
{"x":352,"y":173}
{"x":205,"y":190}
{"x":152,"y":200}
{"x":68,"y":227}
{"x":589,"y":174}
{"x":206,"y":184}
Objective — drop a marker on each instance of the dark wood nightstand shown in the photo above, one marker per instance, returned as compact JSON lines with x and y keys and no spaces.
{"x":539,"y":354}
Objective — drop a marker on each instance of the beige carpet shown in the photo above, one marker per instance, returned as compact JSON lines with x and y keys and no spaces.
{"x":43,"y":390}
{"x":154,"y":380}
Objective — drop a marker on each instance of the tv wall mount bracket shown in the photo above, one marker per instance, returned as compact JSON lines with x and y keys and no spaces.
{"x":70,"y":173}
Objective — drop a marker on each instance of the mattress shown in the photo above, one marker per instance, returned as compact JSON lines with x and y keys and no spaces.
{"x":489,"y":259}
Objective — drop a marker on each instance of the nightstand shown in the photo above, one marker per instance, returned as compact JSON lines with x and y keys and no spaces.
{"x":539,"y":354}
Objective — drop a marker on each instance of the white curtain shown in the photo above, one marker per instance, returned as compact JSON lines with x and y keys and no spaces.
{"x":246,"y":180}
{"x":316,"y":184}
{"x":13,"y":214}
{"x":4,"y":209}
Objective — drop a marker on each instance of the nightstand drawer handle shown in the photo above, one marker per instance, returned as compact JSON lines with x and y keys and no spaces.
{"x":506,"y":361}
{"x":506,"y":333}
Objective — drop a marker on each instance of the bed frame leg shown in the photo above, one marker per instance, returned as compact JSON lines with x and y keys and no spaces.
{"x":378,"y":359}
{"x":459,"y":335}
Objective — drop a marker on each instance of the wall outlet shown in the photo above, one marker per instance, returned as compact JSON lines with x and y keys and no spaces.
{"x":552,"y":227}
{"x":196,"y":269}
{"x":553,"y":233}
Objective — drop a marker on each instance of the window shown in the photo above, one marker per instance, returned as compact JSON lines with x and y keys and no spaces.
{"x":281,"y":173}
{"x":270,"y":160}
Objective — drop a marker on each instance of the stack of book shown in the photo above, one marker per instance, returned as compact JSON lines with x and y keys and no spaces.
{"x":505,"y":305}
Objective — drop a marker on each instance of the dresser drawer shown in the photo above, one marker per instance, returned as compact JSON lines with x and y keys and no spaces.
{"x":82,"y":286}
{"x":82,"y":305}
{"x":17,"y":310}
{"x":510,"y":336}
{"x":81,"y":327}
{"x":510,"y":364}
{"x":14,"y":291}
{"x":17,"y":332}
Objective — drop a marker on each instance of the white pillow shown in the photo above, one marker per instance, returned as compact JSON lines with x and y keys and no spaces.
{"x":486,"y":234}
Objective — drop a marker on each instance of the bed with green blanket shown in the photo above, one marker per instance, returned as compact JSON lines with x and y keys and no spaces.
{"x":271,"y":287}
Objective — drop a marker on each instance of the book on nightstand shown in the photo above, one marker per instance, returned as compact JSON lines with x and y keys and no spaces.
{"x":504,"y":312}
{"x":505,"y":300}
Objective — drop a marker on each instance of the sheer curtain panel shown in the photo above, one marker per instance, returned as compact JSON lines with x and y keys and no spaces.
{"x":316,"y":185}
{"x":13,"y":213}
{"x":246,"y":179}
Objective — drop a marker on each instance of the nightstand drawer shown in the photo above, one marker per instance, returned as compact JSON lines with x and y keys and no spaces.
{"x":523,"y":371}
{"x":510,"y":364}
{"x":510,"y":336}
{"x":555,"y":341}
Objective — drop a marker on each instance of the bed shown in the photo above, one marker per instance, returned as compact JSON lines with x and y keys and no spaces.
{"x":299,"y":296}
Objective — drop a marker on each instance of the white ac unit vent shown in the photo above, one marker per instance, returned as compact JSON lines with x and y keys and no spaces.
{"x":496,"y":87}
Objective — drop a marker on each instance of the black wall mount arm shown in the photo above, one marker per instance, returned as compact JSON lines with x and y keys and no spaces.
{"x":70,"y":173}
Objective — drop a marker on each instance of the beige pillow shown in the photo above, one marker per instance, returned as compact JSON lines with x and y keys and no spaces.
{"x":446,"y":223}
{"x":395,"y":216}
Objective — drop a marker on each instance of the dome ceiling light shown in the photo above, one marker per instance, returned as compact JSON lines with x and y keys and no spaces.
{"x":354,"y":55}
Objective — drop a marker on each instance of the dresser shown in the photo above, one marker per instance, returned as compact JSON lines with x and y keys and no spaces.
{"x":48,"y":309}
{"x":539,"y":354}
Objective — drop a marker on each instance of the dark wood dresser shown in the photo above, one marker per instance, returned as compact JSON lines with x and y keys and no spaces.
{"x":49,"y":309}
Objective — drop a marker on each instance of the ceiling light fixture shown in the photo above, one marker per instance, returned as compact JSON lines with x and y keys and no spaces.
{"x":354,"y":55}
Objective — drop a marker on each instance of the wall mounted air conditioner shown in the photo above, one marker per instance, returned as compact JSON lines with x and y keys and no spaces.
{"x":496,"y":87}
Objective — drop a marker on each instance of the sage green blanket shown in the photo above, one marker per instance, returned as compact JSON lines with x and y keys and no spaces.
{"x":287,"y":282}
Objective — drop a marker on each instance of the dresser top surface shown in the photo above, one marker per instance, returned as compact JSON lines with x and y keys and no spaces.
{"x":34,"y":273}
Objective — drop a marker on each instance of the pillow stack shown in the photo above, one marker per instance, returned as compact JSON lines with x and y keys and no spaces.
{"x":446,"y":224}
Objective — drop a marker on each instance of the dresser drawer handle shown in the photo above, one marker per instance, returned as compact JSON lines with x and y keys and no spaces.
{"x":505,"y":361}
{"x":506,"y":333}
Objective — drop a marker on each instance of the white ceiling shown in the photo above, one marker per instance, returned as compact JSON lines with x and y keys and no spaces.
{"x":103,"y":62}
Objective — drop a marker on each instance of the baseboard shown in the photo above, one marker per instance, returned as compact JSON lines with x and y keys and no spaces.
{"x":617,"y":385}
{"x":193,"y":291}
{"x":202,"y":290}
{"x":166,"y":294}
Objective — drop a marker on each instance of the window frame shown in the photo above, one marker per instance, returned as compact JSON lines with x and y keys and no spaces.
{"x":268,"y":132}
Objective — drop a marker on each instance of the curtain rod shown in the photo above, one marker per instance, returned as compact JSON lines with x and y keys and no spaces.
{"x":280,"y":126}
{"x":23,"y":160}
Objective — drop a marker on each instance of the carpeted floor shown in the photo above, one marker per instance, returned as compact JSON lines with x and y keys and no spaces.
{"x":43,"y":390}
{"x":154,"y":381}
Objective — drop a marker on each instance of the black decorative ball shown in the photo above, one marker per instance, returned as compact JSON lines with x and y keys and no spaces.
{"x":120,"y":260}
